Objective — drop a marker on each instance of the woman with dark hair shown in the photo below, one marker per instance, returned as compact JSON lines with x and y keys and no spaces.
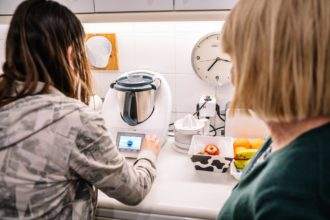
{"x":54,"y":150}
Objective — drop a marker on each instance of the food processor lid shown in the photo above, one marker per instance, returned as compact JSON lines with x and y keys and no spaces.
{"x":135,"y":82}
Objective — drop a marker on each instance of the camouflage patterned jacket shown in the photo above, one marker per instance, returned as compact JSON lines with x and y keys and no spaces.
{"x":53,"y":152}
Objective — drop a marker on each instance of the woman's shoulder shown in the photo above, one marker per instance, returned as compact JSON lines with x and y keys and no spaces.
{"x":44,"y":101}
{"x":73,"y":112}
{"x":81,"y":112}
{"x":302,"y":169}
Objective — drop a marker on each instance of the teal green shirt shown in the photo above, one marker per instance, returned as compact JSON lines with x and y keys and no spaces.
{"x":292,"y":183}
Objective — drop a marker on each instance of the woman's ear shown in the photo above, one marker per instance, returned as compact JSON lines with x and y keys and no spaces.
{"x":69,"y":55}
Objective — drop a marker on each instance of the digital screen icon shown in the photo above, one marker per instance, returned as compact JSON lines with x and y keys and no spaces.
{"x":130,"y":143}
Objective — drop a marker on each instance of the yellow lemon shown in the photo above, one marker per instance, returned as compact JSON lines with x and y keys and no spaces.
{"x":241,"y":164}
{"x":245,"y":153}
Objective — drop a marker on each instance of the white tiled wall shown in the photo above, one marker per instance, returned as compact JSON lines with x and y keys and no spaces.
{"x":164,"y":47}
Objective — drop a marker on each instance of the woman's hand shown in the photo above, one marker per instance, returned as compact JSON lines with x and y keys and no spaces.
{"x":151,"y":142}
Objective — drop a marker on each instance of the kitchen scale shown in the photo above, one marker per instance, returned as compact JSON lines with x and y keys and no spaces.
{"x":138,"y":103}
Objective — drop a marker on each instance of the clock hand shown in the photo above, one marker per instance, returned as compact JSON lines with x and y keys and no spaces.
{"x":201,"y":61}
{"x":224,"y":60}
{"x":216,"y":60}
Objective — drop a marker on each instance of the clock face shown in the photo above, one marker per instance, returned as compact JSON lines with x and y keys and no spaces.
{"x":209,"y":62}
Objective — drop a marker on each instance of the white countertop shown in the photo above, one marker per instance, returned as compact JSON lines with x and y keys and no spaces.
{"x":179,"y":190}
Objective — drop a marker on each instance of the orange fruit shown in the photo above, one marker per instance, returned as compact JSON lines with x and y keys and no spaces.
{"x":256,"y":143}
{"x":242,"y":142}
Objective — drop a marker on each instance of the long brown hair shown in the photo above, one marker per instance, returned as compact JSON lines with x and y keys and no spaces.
{"x":39,"y":37}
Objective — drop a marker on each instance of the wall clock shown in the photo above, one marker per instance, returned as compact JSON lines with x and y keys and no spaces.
{"x":209,"y":61}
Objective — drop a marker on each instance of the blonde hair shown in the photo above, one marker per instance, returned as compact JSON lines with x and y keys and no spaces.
{"x":281,"y":57}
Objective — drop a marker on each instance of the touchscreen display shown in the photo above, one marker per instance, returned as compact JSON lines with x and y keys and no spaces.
{"x":130,"y":142}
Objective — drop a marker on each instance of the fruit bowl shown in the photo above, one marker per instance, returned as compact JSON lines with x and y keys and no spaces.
{"x":202,"y":161}
{"x":244,"y":150}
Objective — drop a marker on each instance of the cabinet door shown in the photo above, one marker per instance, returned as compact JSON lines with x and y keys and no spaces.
{"x":132,"y":5}
{"x":7,"y":7}
{"x":204,"y":4}
{"x":78,"y":6}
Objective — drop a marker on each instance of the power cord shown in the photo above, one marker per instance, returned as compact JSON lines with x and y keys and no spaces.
{"x":198,"y":108}
{"x":217,"y":108}
{"x":213,"y":129}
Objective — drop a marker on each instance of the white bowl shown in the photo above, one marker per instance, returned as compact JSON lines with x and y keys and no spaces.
{"x":219,"y":163}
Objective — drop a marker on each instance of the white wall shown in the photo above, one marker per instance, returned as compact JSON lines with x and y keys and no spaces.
{"x":164,"y":47}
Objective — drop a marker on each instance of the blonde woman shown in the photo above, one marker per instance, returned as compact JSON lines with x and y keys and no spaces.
{"x":281,"y":56}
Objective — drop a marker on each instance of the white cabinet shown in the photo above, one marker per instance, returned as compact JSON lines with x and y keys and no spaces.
{"x":132,"y":5}
{"x":204,"y":4}
{"x":78,"y":6}
{"x":7,"y":7}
